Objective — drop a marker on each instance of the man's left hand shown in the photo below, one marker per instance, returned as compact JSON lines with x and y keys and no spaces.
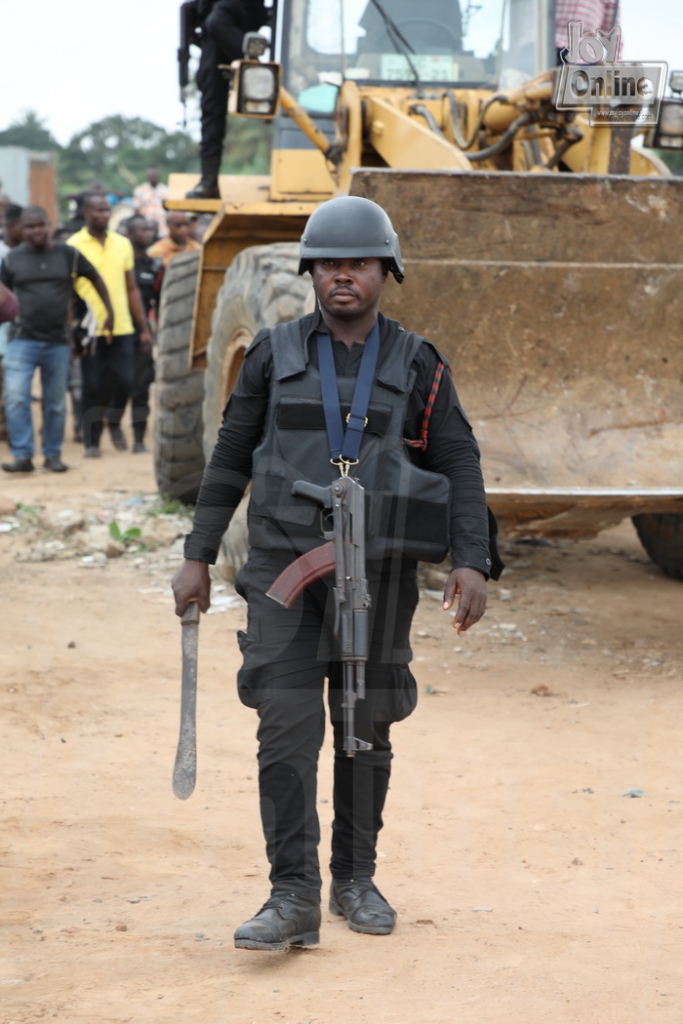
{"x":146,"y":340}
{"x":470,"y":585}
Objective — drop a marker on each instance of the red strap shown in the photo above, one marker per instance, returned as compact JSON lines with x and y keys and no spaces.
{"x":434,"y":390}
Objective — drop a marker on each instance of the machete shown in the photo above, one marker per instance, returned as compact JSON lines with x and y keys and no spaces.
{"x":185,"y":768}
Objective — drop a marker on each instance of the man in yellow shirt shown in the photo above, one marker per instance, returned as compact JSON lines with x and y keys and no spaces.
{"x":108,"y":359}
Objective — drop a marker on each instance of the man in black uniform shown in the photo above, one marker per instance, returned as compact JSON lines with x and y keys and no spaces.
{"x":274,"y":433}
{"x":147,"y":272}
{"x":223,"y":25}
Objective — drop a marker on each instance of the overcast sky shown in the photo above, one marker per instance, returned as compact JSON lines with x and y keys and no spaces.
{"x":77,"y":61}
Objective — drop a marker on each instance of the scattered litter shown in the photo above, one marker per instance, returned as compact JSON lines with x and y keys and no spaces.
{"x":487,"y":910}
{"x":6,"y":527}
{"x":634,"y":792}
{"x":542,"y":691}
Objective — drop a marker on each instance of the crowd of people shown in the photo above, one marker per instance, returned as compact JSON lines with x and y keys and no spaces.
{"x":78,"y":304}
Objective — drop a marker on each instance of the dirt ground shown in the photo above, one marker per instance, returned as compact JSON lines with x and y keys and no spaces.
{"x":529,"y":886}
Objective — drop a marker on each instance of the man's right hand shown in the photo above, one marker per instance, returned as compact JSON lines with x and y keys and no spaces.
{"x":192,"y":583}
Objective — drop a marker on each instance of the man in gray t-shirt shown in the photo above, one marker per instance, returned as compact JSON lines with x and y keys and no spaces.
{"x":41,"y":272}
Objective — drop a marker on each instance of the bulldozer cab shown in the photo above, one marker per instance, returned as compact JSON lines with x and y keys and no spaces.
{"x":487,"y":44}
{"x":390,"y":46}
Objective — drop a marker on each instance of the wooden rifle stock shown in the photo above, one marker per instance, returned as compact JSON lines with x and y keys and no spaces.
{"x":305,"y":570}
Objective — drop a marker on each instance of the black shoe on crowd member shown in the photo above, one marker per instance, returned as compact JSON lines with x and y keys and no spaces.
{"x":362,"y":904}
{"x":18,"y":466}
{"x":286,"y":919}
{"x":208,"y":185}
{"x":92,"y":453}
{"x":118,"y":439}
{"x":54,"y":464}
{"x":139,"y":446}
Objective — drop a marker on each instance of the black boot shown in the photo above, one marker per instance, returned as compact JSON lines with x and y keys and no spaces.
{"x":286,"y":919}
{"x":18,"y":466}
{"x":208,"y":186}
{"x":362,"y":904}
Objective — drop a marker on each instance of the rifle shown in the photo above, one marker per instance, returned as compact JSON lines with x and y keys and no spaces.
{"x":345,"y":553}
{"x":189,"y":36}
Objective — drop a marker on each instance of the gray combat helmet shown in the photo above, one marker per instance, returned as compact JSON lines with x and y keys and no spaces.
{"x":350,"y":227}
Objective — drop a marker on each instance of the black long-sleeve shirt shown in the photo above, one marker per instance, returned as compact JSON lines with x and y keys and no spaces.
{"x":451,"y":450}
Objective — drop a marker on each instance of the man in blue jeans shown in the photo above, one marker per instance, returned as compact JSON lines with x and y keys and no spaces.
{"x":41,"y":272}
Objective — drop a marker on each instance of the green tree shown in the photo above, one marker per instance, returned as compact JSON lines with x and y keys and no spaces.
{"x":118,"y":150}
{"x":29,"y":131}
{"x":247,"y":146}
{"x":672,"y":158}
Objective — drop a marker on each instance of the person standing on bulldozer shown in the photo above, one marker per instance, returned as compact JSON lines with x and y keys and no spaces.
{"x":418,"y":463}
{"x":222,"y":25}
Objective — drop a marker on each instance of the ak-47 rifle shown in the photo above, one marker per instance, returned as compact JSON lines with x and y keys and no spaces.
{"x":189,"y":36}
{"x":345,"y":553}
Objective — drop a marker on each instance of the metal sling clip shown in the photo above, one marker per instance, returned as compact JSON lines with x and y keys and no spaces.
{"x":344,"y":464}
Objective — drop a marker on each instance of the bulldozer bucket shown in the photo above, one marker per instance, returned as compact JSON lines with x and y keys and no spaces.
{"x":558,"y":301}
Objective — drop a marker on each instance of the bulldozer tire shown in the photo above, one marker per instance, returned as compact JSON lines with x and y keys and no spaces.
{"x":261,"y":289}
{"x":179,"y":391}
{"x":662,"y":537}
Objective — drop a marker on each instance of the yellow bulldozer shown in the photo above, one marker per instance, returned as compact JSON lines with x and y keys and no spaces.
{"x":543,"y":253}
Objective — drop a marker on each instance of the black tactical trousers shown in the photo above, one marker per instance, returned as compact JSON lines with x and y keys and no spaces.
{"x":214,"y":104}
{"x":288,"y":653}
{"x":221,"y":44}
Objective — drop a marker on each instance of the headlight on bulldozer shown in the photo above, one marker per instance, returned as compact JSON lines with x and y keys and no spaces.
{"x":671,"y":119}
{"x":258,"y":87}
{"x":668,"y":132}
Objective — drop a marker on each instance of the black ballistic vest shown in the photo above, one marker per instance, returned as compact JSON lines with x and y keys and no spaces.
{"x":407,"y":508}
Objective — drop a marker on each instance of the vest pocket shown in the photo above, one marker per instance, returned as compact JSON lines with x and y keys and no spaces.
{"x":407,"y":509}
{"x":303,"y":413}
{"x":271,"y":498}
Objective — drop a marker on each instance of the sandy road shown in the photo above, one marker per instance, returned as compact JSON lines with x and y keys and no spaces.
{"x":529,"y":888}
